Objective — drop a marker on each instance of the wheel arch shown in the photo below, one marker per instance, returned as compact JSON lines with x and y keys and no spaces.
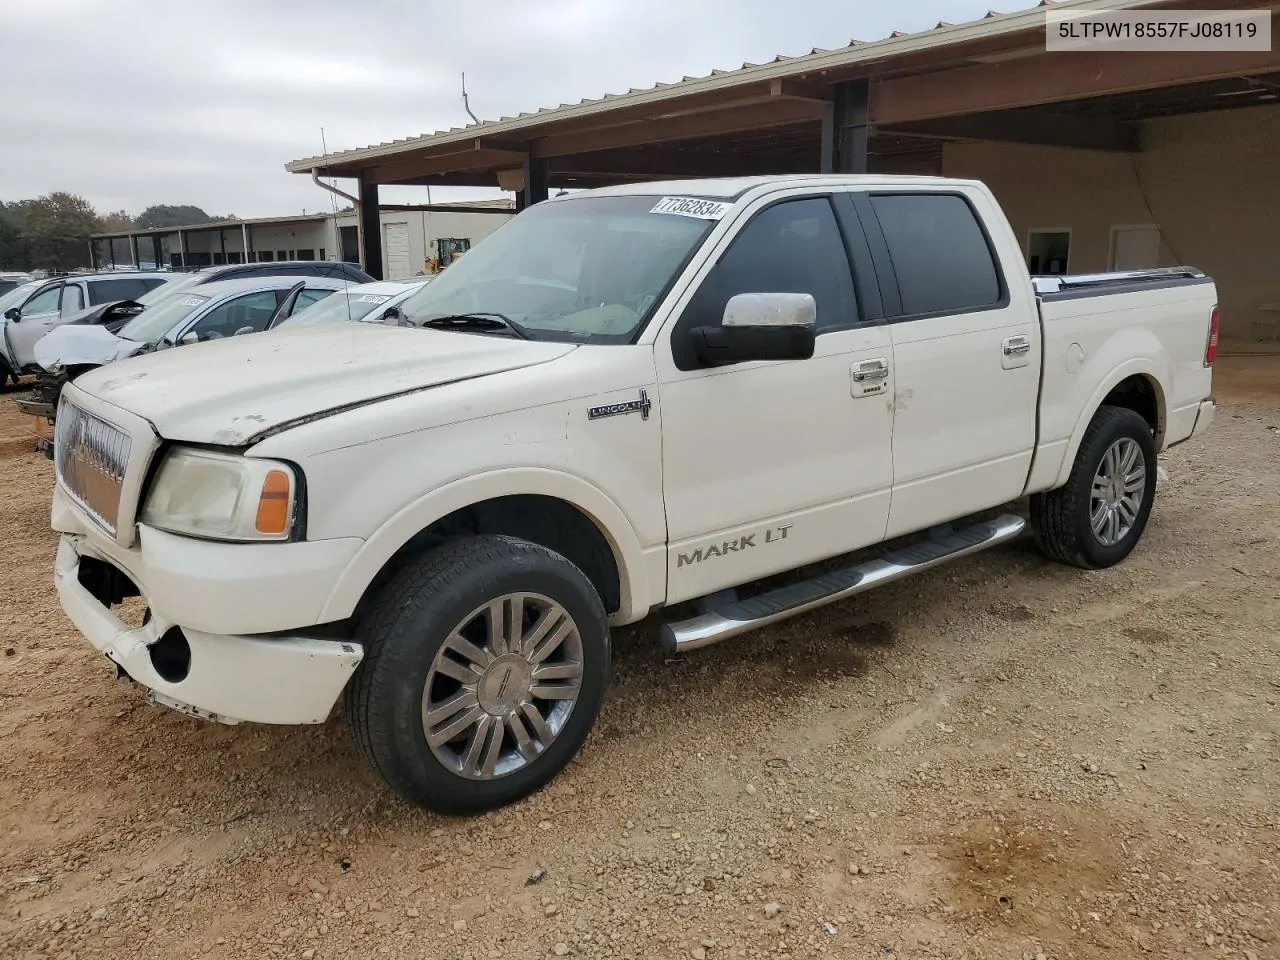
{"x":1136,"y":385}
{"x":559,"y":511}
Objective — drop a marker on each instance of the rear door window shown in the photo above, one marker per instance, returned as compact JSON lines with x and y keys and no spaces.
{"x":941,"y":255}
{"x":306,"y":298}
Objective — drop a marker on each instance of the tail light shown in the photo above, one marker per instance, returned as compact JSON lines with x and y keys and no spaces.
{"x":1211,"y":345}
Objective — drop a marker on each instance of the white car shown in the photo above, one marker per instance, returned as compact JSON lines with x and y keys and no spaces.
{"x":209,"y":311}
{"x":376,"y":302}
{"x":621,"y":401}
{"x":32,"y":310}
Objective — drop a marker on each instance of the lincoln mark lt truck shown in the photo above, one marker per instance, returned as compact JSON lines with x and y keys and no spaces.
{"x":622,"y":400}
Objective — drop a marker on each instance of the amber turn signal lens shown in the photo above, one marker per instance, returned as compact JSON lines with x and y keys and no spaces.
{"x":273,"y":503}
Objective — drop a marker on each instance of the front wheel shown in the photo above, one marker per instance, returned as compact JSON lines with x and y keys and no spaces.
{"x":485,"y":666}
{"x":1097,"y":518}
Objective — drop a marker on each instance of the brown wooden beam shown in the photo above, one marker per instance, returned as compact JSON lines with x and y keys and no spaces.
{"x":800,"y":90}
{"x":674,"y":163}
{"x":1040,"y":128}
{"x":732,"y":120}
{"x":403,"y":169}
{"x":1052,"y":78}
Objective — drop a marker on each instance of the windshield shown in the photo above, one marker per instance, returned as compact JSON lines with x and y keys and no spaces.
{"x":153,"y":323}
{"x":339,"y":308}
{"x":583,"y":270}
{"x":17,"y":295}
{"x":156,"y":294}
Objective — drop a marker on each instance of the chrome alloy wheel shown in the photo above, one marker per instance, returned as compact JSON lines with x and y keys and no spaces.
{"x":1118,"y":489}
{"x":502,"y":686}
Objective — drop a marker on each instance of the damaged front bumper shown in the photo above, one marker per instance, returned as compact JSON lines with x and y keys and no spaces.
{"x":226,"y":678}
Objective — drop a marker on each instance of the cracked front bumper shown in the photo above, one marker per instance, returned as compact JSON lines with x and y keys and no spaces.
{"x":228,"y":678}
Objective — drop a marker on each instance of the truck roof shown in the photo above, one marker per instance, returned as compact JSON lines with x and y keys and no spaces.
{"x":729,"y":188}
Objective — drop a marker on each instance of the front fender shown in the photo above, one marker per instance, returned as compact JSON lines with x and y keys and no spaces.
{"x":636,"y":588}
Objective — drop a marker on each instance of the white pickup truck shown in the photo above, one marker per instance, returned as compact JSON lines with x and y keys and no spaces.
{"x":623,"y":400}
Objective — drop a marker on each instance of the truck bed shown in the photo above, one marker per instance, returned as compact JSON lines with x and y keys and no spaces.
{"x":1100,"y":329}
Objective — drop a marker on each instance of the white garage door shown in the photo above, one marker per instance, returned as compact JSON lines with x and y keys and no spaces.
{"x":396,"y":244}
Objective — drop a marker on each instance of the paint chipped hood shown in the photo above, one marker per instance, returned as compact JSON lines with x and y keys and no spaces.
{"x":230,"y":392}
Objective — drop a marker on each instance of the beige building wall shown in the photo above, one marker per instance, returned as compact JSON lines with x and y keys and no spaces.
{"x":1211,"y":182}
{"x":424,"y":227}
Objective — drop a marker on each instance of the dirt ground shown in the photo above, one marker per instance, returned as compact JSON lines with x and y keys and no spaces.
{"x":1004,"y":758}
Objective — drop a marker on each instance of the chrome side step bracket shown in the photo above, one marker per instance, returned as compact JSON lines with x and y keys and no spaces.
{"x":722,"y":621}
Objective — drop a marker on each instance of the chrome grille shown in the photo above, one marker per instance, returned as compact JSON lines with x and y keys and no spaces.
{"x":91,"y":457}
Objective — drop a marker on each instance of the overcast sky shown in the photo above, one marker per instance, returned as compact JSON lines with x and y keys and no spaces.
{"x":131,"y":103}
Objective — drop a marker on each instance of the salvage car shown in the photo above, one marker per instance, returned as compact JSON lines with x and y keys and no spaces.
{"x":115,"y":314}
{"x":40,"y":307}
{"x":224,"y":308}
{"x":377,"y":302}
{"x":644,"y":399}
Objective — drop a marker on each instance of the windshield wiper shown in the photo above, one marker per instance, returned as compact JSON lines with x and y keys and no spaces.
{"x":477,"y":321}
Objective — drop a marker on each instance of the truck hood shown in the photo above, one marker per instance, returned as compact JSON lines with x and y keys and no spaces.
{"x":231,"y":392}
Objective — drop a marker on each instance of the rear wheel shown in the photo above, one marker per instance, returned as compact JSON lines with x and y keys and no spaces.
{"x":1097,"y":518}
{"x":485,"y":666}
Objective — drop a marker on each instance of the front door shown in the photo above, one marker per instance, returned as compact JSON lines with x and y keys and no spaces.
{"x":770,"y":465}
{"x":39,"y":316}
{"x":966,"y":353}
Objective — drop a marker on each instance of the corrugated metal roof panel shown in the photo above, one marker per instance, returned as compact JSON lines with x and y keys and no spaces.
{"x":897,"y":43}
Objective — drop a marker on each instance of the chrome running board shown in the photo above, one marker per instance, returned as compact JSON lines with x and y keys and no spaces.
{"x":732,"y":619}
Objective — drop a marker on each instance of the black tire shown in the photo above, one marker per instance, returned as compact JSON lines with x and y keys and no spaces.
{"x":1062,"y":517}
{"x":407,"y":624}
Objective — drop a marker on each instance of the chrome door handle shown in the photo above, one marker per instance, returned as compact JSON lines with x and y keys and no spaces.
{"x":870,"y":370}
{"x":1016,"y":346}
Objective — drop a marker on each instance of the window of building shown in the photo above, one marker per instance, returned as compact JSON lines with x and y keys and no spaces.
{"x":1048,"y":251}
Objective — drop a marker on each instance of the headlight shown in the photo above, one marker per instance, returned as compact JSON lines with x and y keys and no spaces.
{"x":222,"y":496}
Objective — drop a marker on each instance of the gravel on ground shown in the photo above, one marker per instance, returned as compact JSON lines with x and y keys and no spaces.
{"x":1004,"y":758}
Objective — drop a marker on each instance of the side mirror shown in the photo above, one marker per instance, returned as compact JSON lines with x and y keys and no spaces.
{"x":393,"y":313}
{"x":243,"y":330}
{"x":14,"y":314}
{"x":189,"y":337}
{"x":759,"y":326}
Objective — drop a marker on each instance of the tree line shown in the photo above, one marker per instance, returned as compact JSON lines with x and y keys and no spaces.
{"x":52,"y":232}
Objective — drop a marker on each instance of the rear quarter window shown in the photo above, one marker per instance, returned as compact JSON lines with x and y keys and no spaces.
{"x":941,"y":255}
{"x":109,"y":291}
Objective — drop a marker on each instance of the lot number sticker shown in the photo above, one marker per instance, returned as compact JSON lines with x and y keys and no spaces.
{"x":372,"y":298}
{"x":691,"y":207}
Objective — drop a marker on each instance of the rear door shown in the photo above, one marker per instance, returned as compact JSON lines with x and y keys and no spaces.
{"x":770,"y":465}
{"x":966,"y":354}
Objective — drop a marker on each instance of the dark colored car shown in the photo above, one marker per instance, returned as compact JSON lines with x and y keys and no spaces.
{"x":285,"y":268}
